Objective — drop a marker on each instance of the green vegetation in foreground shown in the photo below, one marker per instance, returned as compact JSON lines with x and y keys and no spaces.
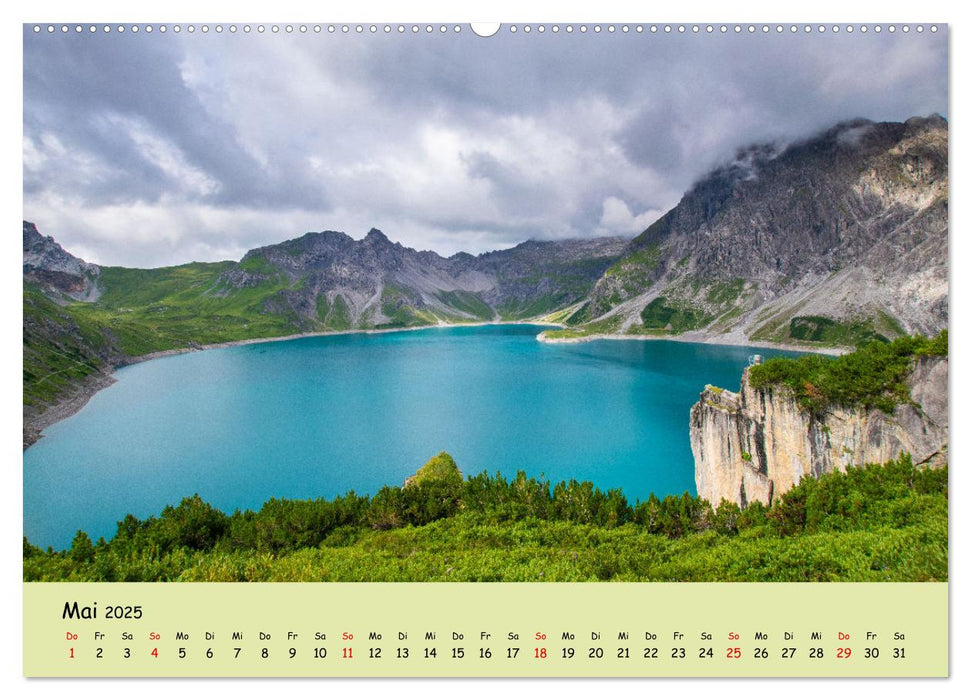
{"x":882,"y":523}
{"x":441,"y":467}
{"x":872,"y":376}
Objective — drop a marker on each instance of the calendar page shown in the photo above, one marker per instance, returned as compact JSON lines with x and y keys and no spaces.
{"x":521,"y":350}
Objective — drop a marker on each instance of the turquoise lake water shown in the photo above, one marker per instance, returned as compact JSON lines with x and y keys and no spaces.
{"x":316,"y":417}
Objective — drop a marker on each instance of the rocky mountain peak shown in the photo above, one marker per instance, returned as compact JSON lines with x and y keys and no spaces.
{"x":933,"y":122}
{"x":375,"y":282}
{"x":375,"y":236}
{"x":316,"y":240}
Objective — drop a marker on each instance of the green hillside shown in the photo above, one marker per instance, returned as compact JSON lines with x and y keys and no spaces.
{"x":61,"y":349}
{"x":176,"y":307}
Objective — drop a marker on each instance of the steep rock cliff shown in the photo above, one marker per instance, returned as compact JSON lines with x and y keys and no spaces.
{"x":759,"y":443}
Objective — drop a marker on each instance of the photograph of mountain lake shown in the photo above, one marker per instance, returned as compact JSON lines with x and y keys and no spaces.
{"x":550,"y":305}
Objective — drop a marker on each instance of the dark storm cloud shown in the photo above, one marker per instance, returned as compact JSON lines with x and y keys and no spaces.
{"x":208,"y":144}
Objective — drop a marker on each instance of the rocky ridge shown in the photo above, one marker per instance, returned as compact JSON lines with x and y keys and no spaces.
{"x":836,"y":239}
{"x":334,"y":280}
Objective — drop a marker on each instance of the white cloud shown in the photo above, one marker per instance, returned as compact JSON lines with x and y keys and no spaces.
{"x":74,"y":167}
{"x":617,"y":218}
{"x":167,"y":157}
{"x":145,"y":235}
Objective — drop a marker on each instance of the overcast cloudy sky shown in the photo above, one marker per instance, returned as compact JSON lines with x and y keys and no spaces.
{"x":153,"y":149}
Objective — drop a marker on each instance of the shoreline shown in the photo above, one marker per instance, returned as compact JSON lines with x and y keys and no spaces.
{"x":34,"y":425}
{"x":703,"y":340}
{"x":318,"y":334}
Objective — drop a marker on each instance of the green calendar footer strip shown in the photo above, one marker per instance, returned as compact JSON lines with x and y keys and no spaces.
{"x":486,"y":629}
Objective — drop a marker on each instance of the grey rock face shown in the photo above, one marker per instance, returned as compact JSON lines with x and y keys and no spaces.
{"x":850,"y":225}
{"x":55,"y":270}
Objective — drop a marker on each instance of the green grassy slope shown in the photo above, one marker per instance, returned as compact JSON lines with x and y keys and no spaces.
{"x":60,"y":349}
{"x":823,"y":331}
{"x":175,"y":307}
{"x":140,"y":311}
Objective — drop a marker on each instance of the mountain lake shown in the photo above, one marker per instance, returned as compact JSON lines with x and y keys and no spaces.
{"x":320,"y":416}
